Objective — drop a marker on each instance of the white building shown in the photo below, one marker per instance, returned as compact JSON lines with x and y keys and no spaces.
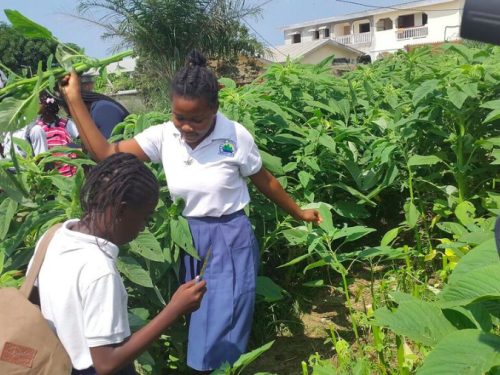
{"x":377,"y":31}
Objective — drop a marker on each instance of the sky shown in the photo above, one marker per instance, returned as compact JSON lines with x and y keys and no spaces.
{"x":275,"y":13}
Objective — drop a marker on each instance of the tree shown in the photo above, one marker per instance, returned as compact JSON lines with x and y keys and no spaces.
{"x":163,"y":32}
{"x":19,"y":53}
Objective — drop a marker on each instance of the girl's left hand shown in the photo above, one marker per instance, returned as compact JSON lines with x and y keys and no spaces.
{"x":311,"y":216}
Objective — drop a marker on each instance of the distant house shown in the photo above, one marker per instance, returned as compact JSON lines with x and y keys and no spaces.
{"x":374,"y":32}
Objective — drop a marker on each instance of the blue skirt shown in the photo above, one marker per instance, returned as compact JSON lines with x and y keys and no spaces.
{"x":219,"y":330}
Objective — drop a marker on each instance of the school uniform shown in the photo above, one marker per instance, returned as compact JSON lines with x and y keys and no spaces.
{"x":211,"y":179}
{"x":82,"y":295}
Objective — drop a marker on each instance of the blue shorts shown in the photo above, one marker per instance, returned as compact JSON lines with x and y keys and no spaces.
{"x":219,"y":330}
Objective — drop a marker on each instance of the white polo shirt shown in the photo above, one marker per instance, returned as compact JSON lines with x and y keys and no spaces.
{"x":82,"y":295}
{"x":210,"y":178}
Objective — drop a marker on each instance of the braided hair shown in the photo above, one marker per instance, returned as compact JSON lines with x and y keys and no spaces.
{"x":51,"y":104}
{"x":119,"y":178}
{"x":196,"y":81}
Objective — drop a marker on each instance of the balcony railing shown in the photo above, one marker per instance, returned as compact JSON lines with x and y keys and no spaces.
{"x":354,"y":38}
{"x":414,"y":32}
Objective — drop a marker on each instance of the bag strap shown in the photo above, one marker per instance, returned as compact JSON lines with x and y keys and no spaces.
{"x":32,"y":275}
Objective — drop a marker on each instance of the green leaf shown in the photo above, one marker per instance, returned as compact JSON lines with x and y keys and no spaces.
{"x":17,"y":112}
{"x":476,"y":238}
{"x":295,"y":261}
{"x":355,"y":193}
{"x":320,"y":105}
{"x":420,"y":321}
{"x":296,"y":236}
{"x":24,"y":146}
{"x":390,"y":236}
{"x":326,"y":214}
{"x":465,"y":212}
{"x":493,"y":116}
{"x":328,"y":142}
{"x":478,"y":285}
{"x":381,"y":251}
{"x":147,"y":246}
{"x":350,"y":210}
{"x":353,"y":233}
{"x":228,"y":83}
{"x":272,"y":163}
{"x":268,"y":289}
{"x":452,"y":228}
{"x":8,"y":210}
{"x":457,"y":97}
{"x":424,"y":90}
{"x":135,"y":322}
{"x":248,"y":358}
{"x":465,"y":352}
{"x":305,"y":178}
{"x":133,"y":271}
{"x":423,"y":160}
{"x":481,"y":256}
{"x":181,"y":235}
{"x":27,"y":27}
{"x":315,"y":284}
{"x":412,"y":214}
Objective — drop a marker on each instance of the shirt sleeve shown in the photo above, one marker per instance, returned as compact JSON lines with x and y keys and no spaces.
{"x":106,"y":116}
{"x":72,"y":129}
{"x":252,"y":161}
{"x":38,"y":140}
{"x":105,"y":316}
{"x":151,"y":141}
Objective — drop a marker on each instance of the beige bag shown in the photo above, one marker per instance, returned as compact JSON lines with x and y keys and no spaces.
{"x":27,"y":344}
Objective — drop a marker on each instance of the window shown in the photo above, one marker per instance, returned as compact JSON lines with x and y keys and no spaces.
{"x":327,"y":33}
{"x":316,"y":34}
{"x":384,"y":24}
{"x":425,"y":19}
{"x":364,"y":28}
{"x":296,"y":38}
{"x":405,"y":22}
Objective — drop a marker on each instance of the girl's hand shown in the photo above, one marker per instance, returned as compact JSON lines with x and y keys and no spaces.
{"x":311,"y":216}
{"x":70,"y":87}
{"x":188,"y":297}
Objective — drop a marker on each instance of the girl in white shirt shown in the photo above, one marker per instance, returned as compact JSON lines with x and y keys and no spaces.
{"x":81,"y":293}
{"x":206,"y":158}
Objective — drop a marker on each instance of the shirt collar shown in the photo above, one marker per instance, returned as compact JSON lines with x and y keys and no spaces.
{"x":108,"y":248}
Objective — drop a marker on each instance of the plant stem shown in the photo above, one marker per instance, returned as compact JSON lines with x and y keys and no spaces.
{"x":354,"y":325}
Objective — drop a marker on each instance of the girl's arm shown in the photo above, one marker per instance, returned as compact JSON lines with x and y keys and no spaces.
{"x":109,"y":359}
{"x":92,"y":138}
{"x":268,"y":185}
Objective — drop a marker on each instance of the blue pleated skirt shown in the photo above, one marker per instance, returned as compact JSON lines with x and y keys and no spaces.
{"x":219,"y":330}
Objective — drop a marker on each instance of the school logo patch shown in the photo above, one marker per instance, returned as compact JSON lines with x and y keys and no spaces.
{"x":228,"y":148}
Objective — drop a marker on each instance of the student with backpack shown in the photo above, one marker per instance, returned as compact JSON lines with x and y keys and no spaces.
{"x":60,"y":132}
{"x":206,"y":158}
{"x":81,"y":293}
{"x":33,"y":134}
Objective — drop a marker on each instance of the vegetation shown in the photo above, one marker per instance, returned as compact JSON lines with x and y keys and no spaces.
{"x":400,"y":157}
{"x":162,"y":33}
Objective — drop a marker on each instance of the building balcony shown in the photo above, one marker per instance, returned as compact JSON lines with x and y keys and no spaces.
{"x":353,"y":38}
{"x":412,"y":33}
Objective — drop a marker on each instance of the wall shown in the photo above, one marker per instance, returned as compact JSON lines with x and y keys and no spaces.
{"x":326,"y":51}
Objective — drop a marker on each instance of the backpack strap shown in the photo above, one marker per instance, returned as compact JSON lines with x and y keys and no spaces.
{"x":28,"y":131}
{"x":62,"y":122}
{"x":32,"y":275}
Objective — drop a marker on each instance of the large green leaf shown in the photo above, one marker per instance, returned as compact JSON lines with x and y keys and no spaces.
{"x":465,"y":352}
{"x":477,"y":285}
{"x":147,"y":246}
{"x":465,"y":212}
{"x":353,"y":233}
{"x":412,"y":214}
{"x":268,"y":289}
{"x":326,"y":214}
{"x":27,"y":27}
{"x":7,"y":212}
{"x":133,"y":271}
{"x":181,"y":235}
{"x":350,"y":210}
{"x":481,"y":256}
{"x":420,"y":321}
{"x":424,"y":90}
{"x":296,"y":236}
{"x":457,"y":97}
{"x":272,"y":163}
{"x":248,"y":358}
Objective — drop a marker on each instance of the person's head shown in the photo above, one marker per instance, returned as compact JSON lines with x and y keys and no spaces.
{"x":195,"y":98}
{"x":48,"y":104}
{"x":119,"y":195}
{"x":87,"y":82}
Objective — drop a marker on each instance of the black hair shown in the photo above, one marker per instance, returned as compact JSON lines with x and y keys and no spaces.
{"x":51,"y":104}
{"x":119,"y":178}
{"x":196,"y":81}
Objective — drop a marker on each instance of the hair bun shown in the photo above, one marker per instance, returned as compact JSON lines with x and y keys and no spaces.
{"x":196,"y":58}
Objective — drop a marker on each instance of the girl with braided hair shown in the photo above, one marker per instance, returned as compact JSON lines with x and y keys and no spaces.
{"x":206,"y":158}
{"x":81,"y":293}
